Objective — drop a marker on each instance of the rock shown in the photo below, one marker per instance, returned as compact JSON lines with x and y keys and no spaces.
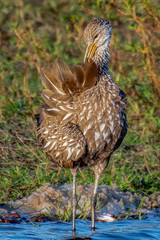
{"x":152,"y":201}
{"x":154,"y":204}
{"x":146,"y":202}
{"x":11,"y":217}
{"x":55,"y":200}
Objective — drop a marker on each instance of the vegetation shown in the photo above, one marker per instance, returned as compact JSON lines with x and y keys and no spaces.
{"x":33,"y":34}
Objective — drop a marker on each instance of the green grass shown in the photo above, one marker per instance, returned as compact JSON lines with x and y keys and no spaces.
{"x":33,"y":34}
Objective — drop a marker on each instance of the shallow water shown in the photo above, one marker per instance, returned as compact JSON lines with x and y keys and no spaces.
{"x":148,"y":228}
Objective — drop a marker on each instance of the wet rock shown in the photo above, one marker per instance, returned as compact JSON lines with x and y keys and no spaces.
{"x":42,"y":218}
{"x":11,"y":217}
{"x":16,"y":215}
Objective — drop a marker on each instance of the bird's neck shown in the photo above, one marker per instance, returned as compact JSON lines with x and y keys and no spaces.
{"x":101,"y":59}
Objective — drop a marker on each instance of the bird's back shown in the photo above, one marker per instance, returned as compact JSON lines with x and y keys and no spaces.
{"x":82,"y":118}
{"x":102,"y":119}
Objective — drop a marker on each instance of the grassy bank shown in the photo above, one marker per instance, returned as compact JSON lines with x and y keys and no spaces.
{"x":33,"y":34}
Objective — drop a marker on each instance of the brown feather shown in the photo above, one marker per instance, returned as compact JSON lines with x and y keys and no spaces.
{"x":79,"y":75}
{"x":53,"y":98}
{"x":61,"y":80}
{"x":63,"y":71}
{"x":90,"y":74}
{"x":47,"y":112}
{"x":61,"y":84}
{"x":49,"y":80}
{"x":65,"y":76}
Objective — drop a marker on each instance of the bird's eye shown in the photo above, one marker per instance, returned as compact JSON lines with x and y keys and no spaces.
{"x":95,"y":36}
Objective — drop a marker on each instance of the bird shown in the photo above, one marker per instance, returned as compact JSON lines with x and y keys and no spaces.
{"x":83,"y":119}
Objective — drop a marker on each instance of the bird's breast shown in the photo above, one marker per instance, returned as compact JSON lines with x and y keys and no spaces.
{"x":100,"y":118}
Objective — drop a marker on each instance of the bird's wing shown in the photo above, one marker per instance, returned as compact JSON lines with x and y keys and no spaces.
{"x":63,"y":144}
{"x":61,"y":84}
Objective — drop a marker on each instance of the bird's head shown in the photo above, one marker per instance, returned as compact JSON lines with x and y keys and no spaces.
{"x":97,"y":37}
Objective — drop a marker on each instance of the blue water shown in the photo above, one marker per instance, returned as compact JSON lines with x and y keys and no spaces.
{"x":148,"y":228}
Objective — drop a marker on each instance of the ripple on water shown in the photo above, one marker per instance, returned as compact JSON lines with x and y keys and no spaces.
{"x":148,"y":228}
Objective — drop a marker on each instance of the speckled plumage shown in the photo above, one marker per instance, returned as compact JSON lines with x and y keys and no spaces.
{"x":83,"y":121}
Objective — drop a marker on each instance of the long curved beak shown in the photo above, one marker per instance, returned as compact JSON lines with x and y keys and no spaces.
{"x":90,"y":51}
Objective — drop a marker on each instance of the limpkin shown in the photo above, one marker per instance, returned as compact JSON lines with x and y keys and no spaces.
{"x":82,"y":121}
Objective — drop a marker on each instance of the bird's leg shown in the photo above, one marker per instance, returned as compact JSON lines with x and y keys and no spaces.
{"x":74,"y":198}
{"x":98,"y":170}
{"x":93,"y":201}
